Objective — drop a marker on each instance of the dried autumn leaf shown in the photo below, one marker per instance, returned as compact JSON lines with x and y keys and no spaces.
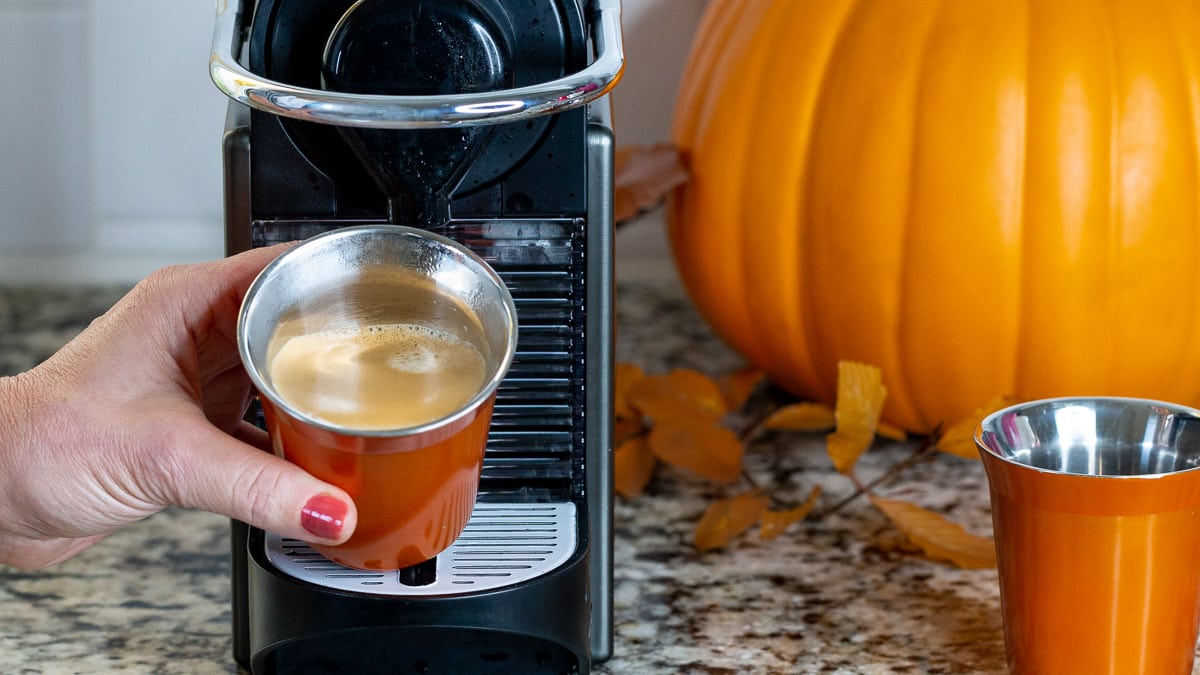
{"x":773,"y":523}
{"x":727,"y":518}
{"x":938,"y":538}
{"x":959,"y":438}
{"x":738,"y":385}
{"x":702,"y":446}
{"x":803,"y":416}
{"x":643,"y":176}
{"x":891,"y":431}
{"x":860,"y":396}
{"x":633,"y":465}
{"x":625,"y":428}
{"x":682,"y":393}
{"x":625,"y":376}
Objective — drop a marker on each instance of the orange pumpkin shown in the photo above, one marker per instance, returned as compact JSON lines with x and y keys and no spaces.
{"x":980,"y":198}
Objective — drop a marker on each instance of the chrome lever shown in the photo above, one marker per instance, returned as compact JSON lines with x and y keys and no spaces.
{"x":417,"y":112}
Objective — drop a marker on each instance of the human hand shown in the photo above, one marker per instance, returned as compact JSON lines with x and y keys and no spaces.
{"x":144,"y":410}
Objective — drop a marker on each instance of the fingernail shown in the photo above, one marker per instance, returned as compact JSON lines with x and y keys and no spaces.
{"x":323,"y":516}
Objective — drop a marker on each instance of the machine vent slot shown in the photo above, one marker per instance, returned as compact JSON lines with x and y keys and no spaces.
{"x":536,"y":441}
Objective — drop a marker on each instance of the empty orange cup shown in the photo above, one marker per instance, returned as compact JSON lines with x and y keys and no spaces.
{"x":1096,"y":511}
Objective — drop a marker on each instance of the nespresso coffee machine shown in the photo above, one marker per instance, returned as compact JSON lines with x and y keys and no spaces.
{"x":485,"y":121}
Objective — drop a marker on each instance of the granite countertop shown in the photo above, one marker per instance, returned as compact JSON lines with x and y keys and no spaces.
{"x":833,"y":596}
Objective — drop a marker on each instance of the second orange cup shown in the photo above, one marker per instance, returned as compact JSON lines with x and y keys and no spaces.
{"x":1096,"y":511}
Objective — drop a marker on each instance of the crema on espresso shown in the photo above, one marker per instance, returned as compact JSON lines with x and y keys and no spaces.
{"x":388,"y":351}
{"x":377,"y":377}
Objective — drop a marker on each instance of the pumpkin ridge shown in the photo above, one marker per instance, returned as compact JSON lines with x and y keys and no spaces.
{"x":1188,"y":59}
{"x":777,"y":256}
{"x":748,"y":259}
{"x":898,"y":378}
{"x":714,"y":29}
{"x":859,"y":234}
{"x":825,"y":356}
{"x":824,"y":387}
{"x":1020,"y":242}
{"x":763,"y":263}
{"x":1154,"y":138}
{"x":1115,"y":221}
{"x":1070,"y":142}
{"x":717,"y":290}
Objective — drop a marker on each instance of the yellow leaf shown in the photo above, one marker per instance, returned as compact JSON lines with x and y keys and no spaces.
{"x":633,"y":465}
{"x":708,"y":449}
{"x":805,"y":416}
{"x":773,"y":523}
{"x":681,"y":394}
{"x":625,"y":376}
{"x":938,"y":538}
{"x":738,"y":385}
{"x":860,"y":396}
{"x":959,"y":438}
{"x":727,"y":518}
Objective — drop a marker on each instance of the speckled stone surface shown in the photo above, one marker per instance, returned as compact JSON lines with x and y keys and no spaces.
{"x":832,"y":596}
{"x":835,"y":596}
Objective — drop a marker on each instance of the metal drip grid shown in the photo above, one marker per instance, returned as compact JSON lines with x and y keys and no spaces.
{"x":502,"y":545}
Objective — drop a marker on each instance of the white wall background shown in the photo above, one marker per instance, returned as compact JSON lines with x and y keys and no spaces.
{"x":110,"y":162}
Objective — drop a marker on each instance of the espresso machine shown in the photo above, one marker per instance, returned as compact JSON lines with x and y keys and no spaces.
{"x":485,"y":121}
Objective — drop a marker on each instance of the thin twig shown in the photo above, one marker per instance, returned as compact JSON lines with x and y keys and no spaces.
{"x":754,"y":428}
{"x":927,"y":447}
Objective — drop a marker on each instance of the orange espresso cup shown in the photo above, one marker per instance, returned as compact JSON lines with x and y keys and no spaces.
{"x":1096,"y":512}
{"x":377,"y":351}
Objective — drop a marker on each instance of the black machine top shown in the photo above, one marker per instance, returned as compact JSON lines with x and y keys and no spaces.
{"x":574,"y":89}
{"x":545,"y":39}
{"x":528,"y":168}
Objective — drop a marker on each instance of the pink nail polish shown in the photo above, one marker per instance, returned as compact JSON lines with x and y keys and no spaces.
{"x":323,"y":516}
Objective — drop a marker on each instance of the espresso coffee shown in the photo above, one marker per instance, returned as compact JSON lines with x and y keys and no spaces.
{"x":387,"y":352}
{"x":378,"y":377}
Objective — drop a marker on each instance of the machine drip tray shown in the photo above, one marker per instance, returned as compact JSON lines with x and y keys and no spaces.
{"x":503,"y":544}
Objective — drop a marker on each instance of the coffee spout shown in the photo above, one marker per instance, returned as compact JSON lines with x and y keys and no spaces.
{"x":415,"y":47}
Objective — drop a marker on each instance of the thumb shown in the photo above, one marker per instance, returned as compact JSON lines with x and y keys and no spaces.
{"x":237,"y":480}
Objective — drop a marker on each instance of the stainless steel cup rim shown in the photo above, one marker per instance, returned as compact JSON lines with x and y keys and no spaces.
{"x":268,"y":273}
{"x":1030,"y":435}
